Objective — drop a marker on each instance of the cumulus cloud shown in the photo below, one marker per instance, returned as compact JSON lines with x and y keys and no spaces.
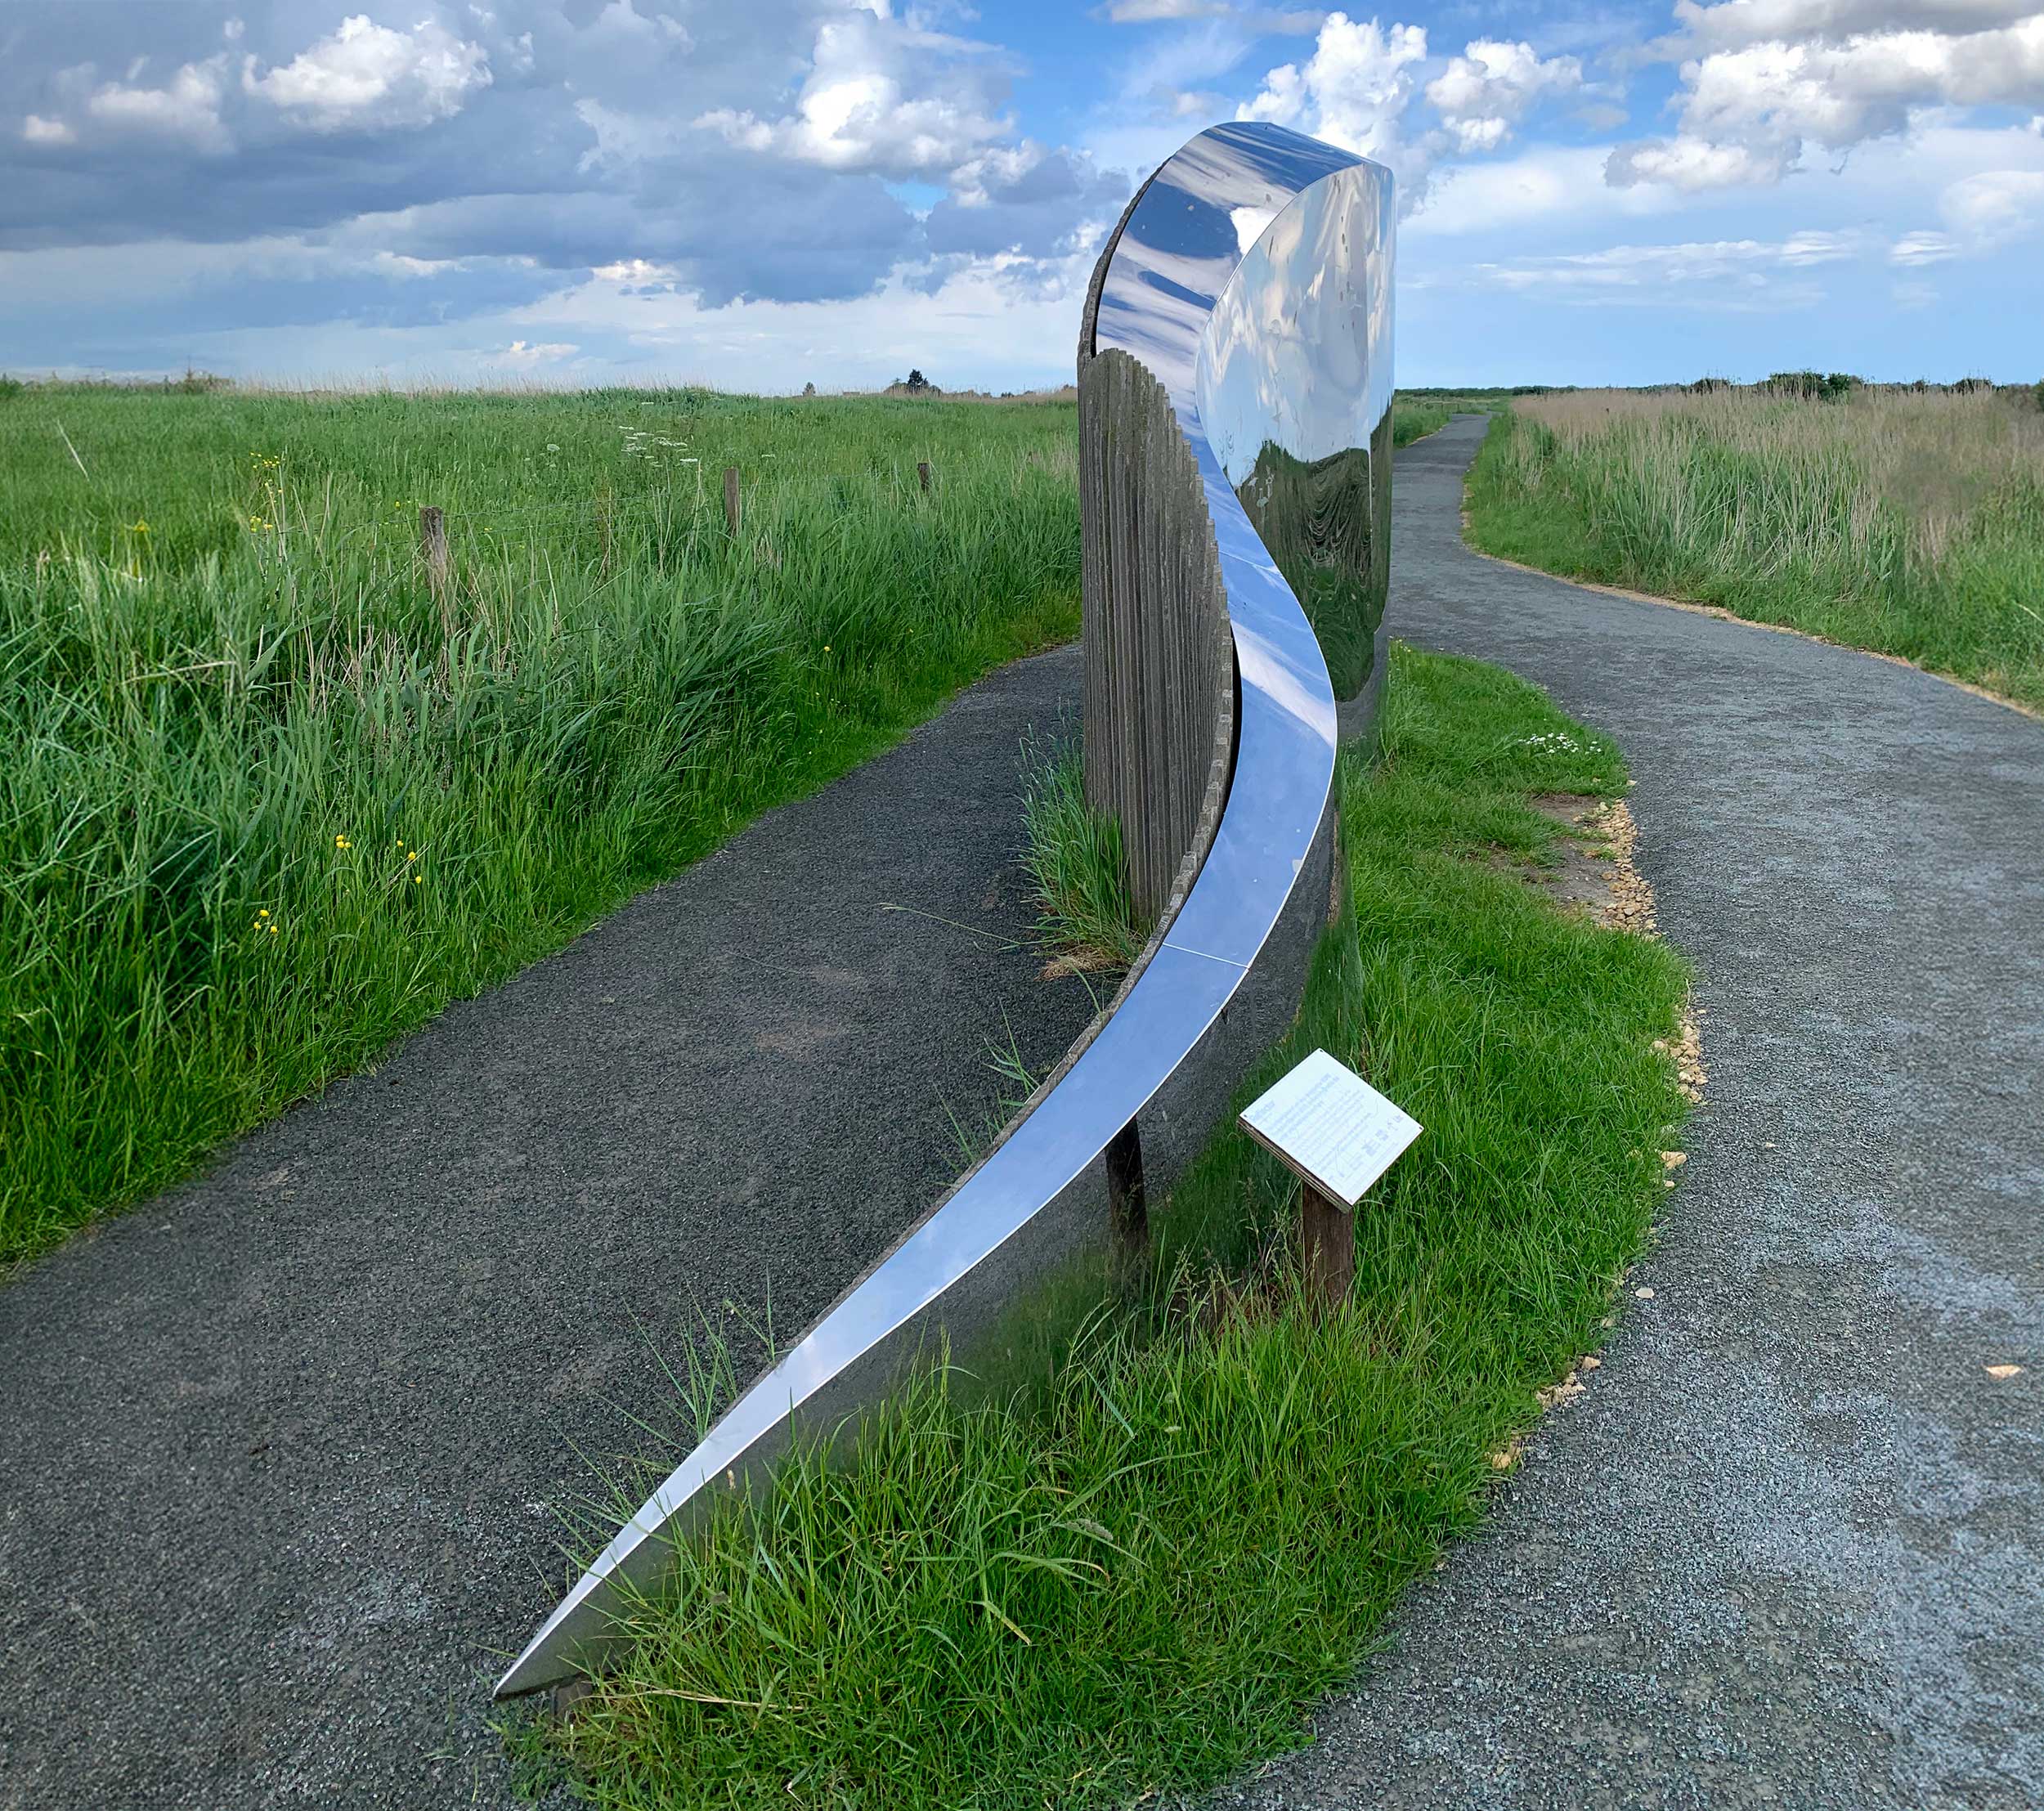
{"x":365,"y":76}
{"x":1775,"y":75}
{"x":875,"y":100}
{"x":1354,"y":92}
{"x":1995,"y":208}
{"x":1485,"y":91}
{"x":1690,"y":163}
{"x":186,"y":107}
{"x":1359,"y":89}
{"x":1733,"y":24}
{"x":511,"y":145}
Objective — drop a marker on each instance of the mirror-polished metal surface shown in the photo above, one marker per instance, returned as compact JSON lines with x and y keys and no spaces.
{"x":1252,"y":278}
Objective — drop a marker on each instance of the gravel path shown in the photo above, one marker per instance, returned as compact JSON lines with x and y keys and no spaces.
{"x":279,"y":1450}
{"x":1789,"y":1548}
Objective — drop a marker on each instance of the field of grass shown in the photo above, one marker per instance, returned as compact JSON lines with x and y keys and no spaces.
{"x":268,"y":797}
{"x":1908,"y":523}
{"x":1134,"y":1581}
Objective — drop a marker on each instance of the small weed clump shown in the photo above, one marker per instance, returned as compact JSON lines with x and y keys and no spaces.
{"x":1130,"y":1582}
{"x":1076,"y":871}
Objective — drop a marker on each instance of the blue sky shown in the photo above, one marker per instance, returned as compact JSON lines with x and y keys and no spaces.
{"x":781,"y":191}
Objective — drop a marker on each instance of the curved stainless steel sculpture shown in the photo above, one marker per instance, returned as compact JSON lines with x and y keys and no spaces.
{"x":1251,"y":277}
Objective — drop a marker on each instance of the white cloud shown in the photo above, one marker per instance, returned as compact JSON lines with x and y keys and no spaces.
{"x":1353,"y":92}
{"x":1749,"y":109}
{"x":999,"y":167}
{"x":1488,"y":89}
{"x":365,"y":76}
{"x":1913,"y":249}
{"x":1740,"y":276}
{"x":1689,"y":164}
{"x":38,"y":131}
{"x":1737,"y":23}
{"x":1995,"y":208}
{"x":524,"y":356}
{"x":876,"y":99}
{"x":186,"y":108}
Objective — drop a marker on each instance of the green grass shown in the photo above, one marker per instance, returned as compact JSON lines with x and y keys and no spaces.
{"x":266,"y":800}
{"x":1415,"y":413}
{"x":1135,"y":1579}
{"x":1908,"y":524}
{"x":1073,"y":856}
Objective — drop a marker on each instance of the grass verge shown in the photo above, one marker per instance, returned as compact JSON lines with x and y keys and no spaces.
{"x":1073,"y":856}
{"x":1134,"y":1581}
{"x":1906,"y":524}
{"x":270,"y":795}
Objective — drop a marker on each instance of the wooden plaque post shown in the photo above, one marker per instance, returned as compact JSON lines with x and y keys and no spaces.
{"x":1327,"y":1243}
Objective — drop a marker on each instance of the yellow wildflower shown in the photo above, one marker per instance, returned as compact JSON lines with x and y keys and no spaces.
{"x":138,"y":528}
{"x":418,"y":880}
{"x":273,"y":931}
{"x":342,"y":842}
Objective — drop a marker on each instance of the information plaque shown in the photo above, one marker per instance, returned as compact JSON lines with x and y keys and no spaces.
{"x":1332,"y":1127}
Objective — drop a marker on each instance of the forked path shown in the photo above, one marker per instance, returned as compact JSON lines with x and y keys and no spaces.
{"x":1789,"y":1548}
{"x":277,"y":1450}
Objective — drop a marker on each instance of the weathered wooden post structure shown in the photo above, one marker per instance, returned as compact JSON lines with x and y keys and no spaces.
{"x":432,"y":548}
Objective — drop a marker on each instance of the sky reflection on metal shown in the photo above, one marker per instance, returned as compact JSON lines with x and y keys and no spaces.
{"x":1179,"y":264}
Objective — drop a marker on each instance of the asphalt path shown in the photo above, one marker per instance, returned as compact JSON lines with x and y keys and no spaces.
{"x":282,"y":1452}
{"x":1788,"y":1549}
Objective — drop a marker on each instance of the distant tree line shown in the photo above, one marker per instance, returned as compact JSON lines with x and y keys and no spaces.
{"x":1835,"y":386}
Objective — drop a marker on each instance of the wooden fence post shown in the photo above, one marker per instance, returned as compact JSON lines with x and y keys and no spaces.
{"x":432,"y":546}
{"x":732,"y":508}
{"x":922,"y":472}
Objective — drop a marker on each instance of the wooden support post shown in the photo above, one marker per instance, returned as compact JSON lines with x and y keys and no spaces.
{"x":1127,"y":1199}
{"x":1327,"y":1243}
{"x":432,"y":547}
{"x":922,"y":472}
{"x":731,"y":509}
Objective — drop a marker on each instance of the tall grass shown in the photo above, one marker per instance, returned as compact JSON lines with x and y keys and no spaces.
{"x":1077,"y":877}
{"x":267,"y":797}
{"x":1911,"y":524}
{"x":1132,"y":1582}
